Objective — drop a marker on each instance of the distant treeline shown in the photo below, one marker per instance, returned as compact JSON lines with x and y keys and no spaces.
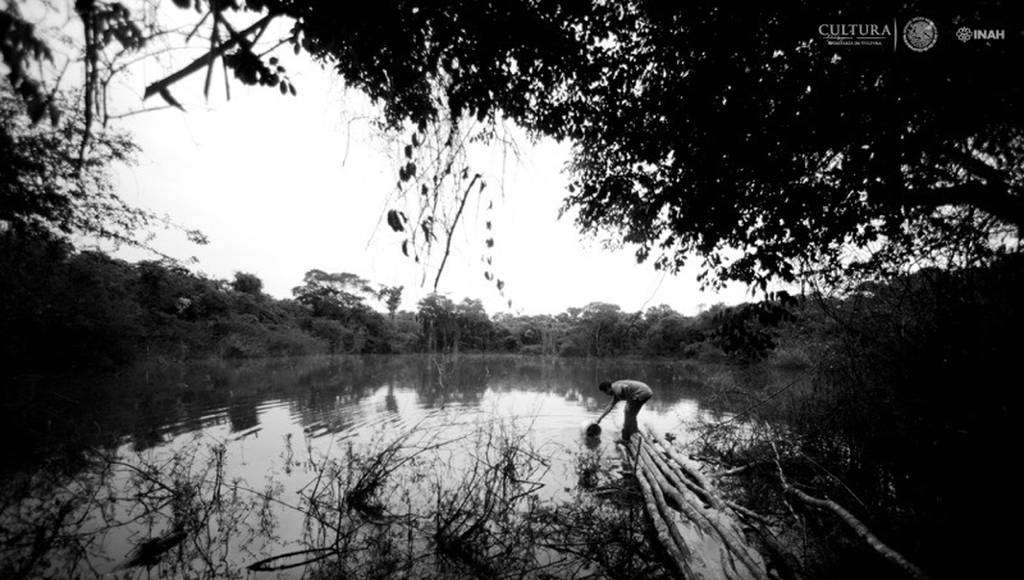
{"x":65,"y":308}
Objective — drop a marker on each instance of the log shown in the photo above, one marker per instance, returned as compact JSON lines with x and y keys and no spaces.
{"x":732,"y":542}
{"x":748,"y":513}
{"x":686,"y":464}
{"x":671,"y":523}
{"x":679,"y":562}
{"x":687,"y":508}
{"x":689,"y":519}
{"x":687,"y":481}
{"x":649,"y":463}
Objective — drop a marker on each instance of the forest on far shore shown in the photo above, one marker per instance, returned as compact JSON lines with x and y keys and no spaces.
{"x":79,"y":310}
{"x":85,"y":310}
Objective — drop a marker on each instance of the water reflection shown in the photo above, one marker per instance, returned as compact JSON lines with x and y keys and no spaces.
{"x":273,"y":419}
{"x":152,"y":404}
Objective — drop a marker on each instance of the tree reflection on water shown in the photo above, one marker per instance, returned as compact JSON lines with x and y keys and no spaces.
{"x":355,"y":466}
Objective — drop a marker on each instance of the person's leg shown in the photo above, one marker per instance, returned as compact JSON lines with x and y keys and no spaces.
{"x":629,"y":426}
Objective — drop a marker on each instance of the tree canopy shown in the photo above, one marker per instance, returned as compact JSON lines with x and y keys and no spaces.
{"x":247,"y":283}
{"x":733,"y":133}
{"x":766,"y":152}
{"x":728,"y":132}
{"x":334,"y":294}
{"x":45,"y":185}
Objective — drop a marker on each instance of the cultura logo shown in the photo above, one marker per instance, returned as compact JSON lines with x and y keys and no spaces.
{"x":856,"y":33}
{"x":920,"y":34}
{"x":963,"y":34}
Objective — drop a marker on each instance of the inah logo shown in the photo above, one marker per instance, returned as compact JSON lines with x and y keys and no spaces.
{"x":965,"y":34}
{"x":920,"y":34}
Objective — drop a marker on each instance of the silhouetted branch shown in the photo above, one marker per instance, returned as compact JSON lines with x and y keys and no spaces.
{"x":992,"y":198}
{"x":207,"y":59}
{"x":450,"y":231}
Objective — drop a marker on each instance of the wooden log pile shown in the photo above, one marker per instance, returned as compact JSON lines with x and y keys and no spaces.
{"x":697,"y":529}
{"x":706,"y":536}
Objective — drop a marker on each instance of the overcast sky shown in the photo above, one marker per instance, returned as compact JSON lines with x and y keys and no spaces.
{"x":281,"y":185}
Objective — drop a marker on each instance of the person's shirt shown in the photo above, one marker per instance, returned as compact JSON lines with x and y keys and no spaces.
{"x":630,"y":390}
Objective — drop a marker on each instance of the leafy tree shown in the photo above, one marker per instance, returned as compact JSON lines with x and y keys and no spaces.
{"x":44,"y":185}
{"x":667,"y":331}
{"x":439,"y":326}
{"x":392,"y":296}
{"x":749,"y":331}
{"x":333,"y":295}
{"x":772,"y":154}
{"x":602,"y":329}
{"x":338,"y":337}
{"x":163,"y":286}
{"x":474,"y":327}
{"x":247,"y":283}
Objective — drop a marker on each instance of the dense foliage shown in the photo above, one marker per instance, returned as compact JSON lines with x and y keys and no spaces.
{"x":735,"y":134}
{"x":902,"y":408}
{"x":45,"y":182}
{"x":84,"y":309}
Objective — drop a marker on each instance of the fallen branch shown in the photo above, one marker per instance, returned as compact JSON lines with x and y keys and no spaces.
{"x":732,"y":472}
{"x":851,"y":521}
{"x":291,"y":560}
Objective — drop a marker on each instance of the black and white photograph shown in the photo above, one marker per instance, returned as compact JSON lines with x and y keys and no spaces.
{"x":510,"y":289}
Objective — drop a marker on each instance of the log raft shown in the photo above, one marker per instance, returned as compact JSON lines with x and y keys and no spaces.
{"x":699,"y":535}
{"x":703,"y":535}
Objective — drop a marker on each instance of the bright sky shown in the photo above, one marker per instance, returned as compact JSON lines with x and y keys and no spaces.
{"x":281,"y":185}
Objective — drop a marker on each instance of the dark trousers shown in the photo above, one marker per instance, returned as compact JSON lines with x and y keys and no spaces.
{"x":629,"y":426}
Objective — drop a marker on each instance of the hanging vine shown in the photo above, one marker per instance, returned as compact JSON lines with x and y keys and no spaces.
{"x":436,"y":179}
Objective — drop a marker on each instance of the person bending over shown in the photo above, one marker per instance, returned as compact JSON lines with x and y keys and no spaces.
{"x":635,"y":393}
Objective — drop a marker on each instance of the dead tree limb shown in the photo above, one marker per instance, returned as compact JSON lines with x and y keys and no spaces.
{"x":858,"y":527}
{"x":732,"y":472}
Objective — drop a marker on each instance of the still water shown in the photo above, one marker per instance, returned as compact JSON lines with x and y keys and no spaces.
{"x":96,"y":468}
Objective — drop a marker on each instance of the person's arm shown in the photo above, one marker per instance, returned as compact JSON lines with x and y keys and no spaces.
{"x":609,"y":409}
